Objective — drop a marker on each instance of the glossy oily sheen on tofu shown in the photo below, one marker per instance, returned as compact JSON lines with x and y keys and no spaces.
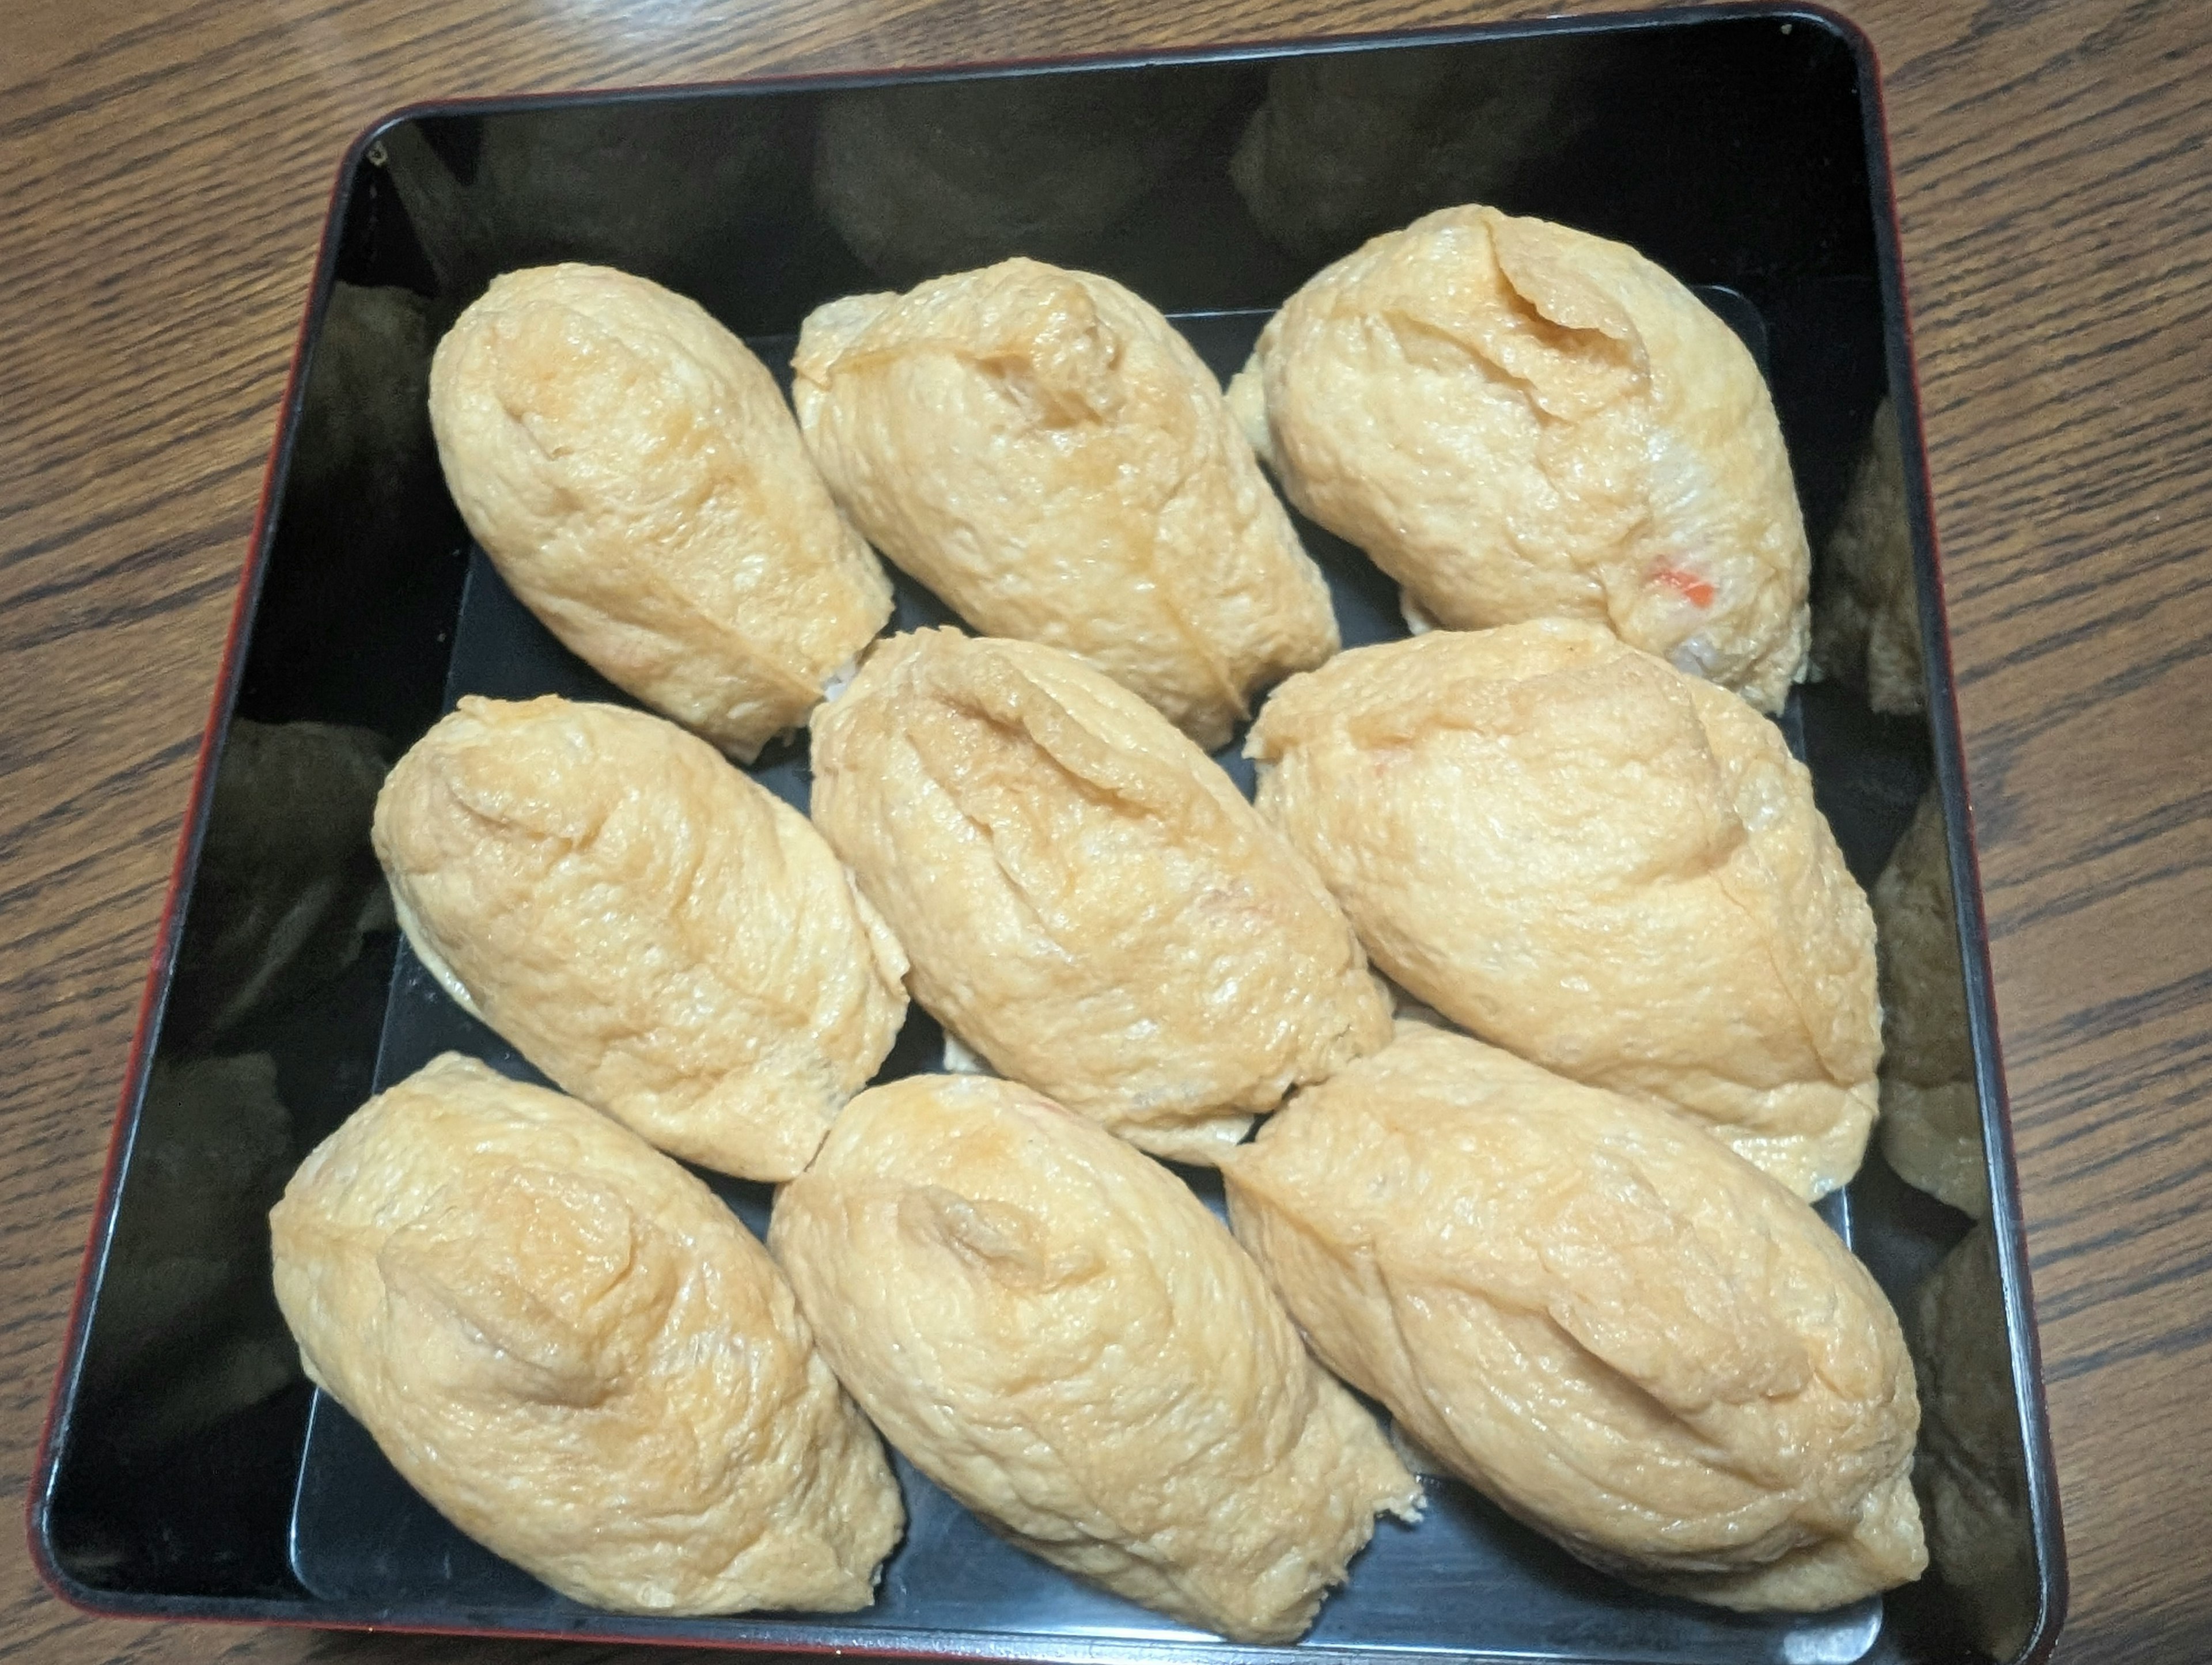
{"x":1517,"y":420}
{"x":665,"y":939}
{"x":574,"y":1351}
{"x":1044,"y":451}
{"x":1089,"y":904}
{"x":1626,"y":1336}
{"x":1054,"y":1329}
{"x":631,"y":470}
{"x":1582,"y":855}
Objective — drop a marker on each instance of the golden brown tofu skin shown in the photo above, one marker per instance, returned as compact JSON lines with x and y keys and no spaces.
{"x":1931,"y":1113}
{"x":665,"y":939}
{"x":1577,"y":853}
{"x":1042,"y":449}
{"x":1517,"y":421}
{"x":1054,"y":1328}
{"x":1624,"y":1334}
{"x":573,"y":1350}
{"x":1088,"y":904}
{"x":631,"y":470}
{"x":1867,"y":628}
{"x":1971,"y":1474}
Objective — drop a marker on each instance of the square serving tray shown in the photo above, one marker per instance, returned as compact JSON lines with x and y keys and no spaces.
{"x":189,"y":1471}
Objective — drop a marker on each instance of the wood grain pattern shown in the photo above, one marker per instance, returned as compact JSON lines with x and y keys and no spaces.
{"x":164,"y":172}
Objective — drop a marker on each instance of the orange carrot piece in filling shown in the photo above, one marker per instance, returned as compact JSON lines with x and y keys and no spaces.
{"x":1698,"y":591}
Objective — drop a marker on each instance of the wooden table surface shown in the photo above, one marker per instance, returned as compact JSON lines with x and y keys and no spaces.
{"x":164,"y":172}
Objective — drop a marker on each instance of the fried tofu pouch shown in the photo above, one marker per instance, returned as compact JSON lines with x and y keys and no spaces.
{"x":1971,"y":1472}
{"x":1867,"y":628}
{"x":573,"y":1350}
{"x":1042,"y":449}
{"x":1931,"y":1111}
{"x":1577,"y":853}
{"x":1088,"y":903}
{"x":665,"y":939}
{"x":1517,"y":421}
{"x":631,"y":470}
{"x":1054,"y":1328}
{"x":1625,"y":1335}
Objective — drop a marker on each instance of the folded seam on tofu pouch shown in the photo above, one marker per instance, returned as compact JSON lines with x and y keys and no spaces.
{"x":1617,"y":1329}
{"x":1580,"y":853}
{"x":1517,"y":420}
{"x":631,"y":470}
{"x":577,"y":1353}
{"x":1054,"y":1328}
{"x":1044,"y":451}
{"x":1087,"y":902}
{"x":661,"y":935}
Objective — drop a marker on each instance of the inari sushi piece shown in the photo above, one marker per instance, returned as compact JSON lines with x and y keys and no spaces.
{"x":1626,"y":1335}
{"x":1516,"y":421}
{"x":665,"y":939}
{"x":1576,"y":852}
{"x":633,"y":472}
{"x":1042,"y":449}
{"x":1053,"y":1328}
{"x":578,"y":1353}
{"x":1089,"y":905}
